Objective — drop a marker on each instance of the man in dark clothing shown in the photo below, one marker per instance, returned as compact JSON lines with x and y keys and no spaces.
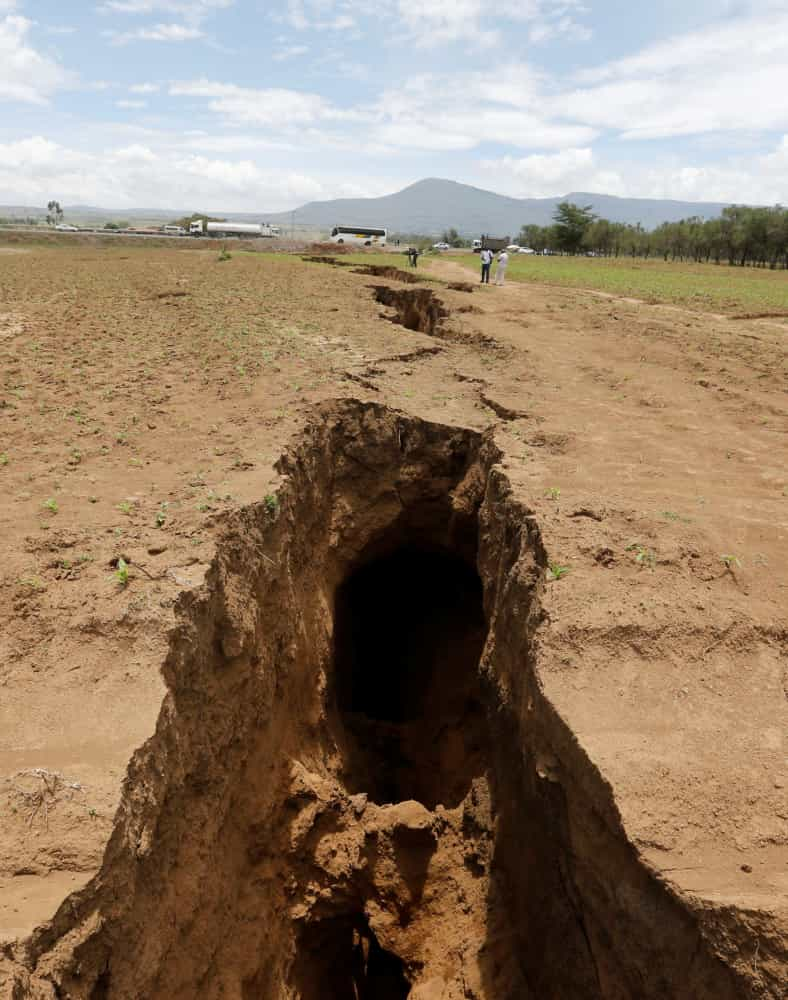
{"x":486,"y":259}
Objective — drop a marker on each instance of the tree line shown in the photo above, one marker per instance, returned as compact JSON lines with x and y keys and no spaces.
{"x":741,"y":235}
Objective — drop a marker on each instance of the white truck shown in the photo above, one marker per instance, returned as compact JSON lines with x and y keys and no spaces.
{"x":243,"y":230}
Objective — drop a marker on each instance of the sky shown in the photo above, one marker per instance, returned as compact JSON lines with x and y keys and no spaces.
{"x":247,"y":105}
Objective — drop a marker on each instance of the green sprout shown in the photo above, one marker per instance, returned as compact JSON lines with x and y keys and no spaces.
{"x":121,"y":574}
{"x":271,"y":504}
{"x":553,"y":493}
{"x":51,"y":504}
{"x":555,"y":572}
{"x":643,"y":556}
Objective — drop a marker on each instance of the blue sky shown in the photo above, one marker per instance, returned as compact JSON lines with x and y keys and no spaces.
{"x":247,"y":105}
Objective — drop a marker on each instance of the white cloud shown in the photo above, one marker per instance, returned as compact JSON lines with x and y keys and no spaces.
{"x":36,"y":169}
{"x":440,"y":22}
{"x":157,"y":33}
{"x":290,"y":52}
{"x":26,"y":75}
{"x":144,"y":88}
{"x":730,"y":76}
{"x":425,"y":114}
{"x":188,"y":9}
{"x":758,"y":180}
{"x":8,"y":5}
{"x":131,"y":104}
{"x":272,"y":106}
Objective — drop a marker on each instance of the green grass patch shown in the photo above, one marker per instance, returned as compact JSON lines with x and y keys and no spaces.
{"x":709,"y":287}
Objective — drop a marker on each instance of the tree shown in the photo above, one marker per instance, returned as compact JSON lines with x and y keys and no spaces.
{"x":571,"y":223}
{"x":54,"y":213}
{"x":453,"y":238}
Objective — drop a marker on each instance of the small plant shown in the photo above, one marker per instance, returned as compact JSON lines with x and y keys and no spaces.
{"x":271,"y":504}
{"x":643,"y":555}
{"x":32,"y":583}
{"x":554,"y":493}
{"x":4,"y":459}
{"x":125,"y":507}
{"x":731,"y":562}
{"x":121,"y":574}
{"x":555,"y":572}
{"x":224,"y":254}
{"x":51,"y":505}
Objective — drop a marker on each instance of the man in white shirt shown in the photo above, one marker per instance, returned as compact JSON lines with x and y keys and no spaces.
{"x":500,"y":271}
{"x":486,"y":259}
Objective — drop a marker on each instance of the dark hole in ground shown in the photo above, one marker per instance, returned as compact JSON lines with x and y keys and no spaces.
{"x":416,"y":308}
{"x":340,"y":959}
{"x":386,"y":271}
{"x":409,"y":632}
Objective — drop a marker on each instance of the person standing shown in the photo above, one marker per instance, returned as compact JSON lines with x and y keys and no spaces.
{"x":500,"y":270}
{"x":486,"y":259}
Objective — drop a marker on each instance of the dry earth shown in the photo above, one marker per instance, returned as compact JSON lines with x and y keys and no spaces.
{"x":219,"y":780}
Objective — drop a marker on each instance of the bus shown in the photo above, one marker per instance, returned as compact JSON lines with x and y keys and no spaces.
{"x":359,"y":234}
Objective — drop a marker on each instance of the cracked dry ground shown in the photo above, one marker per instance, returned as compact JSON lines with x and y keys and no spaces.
{"x":348,"y":730}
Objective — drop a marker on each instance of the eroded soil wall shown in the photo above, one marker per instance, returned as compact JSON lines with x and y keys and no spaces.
{"x":356,"y":788}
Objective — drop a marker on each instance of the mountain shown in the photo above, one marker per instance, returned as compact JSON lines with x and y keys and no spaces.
{"x":432,"y":205}
{"x":429,"y":207}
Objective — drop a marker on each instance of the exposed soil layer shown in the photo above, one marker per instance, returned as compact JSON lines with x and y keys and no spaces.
{"x":416,"y":309}
{"x":322,"y":813}
{"x":317,"y":259}
{"x":384,"y":271}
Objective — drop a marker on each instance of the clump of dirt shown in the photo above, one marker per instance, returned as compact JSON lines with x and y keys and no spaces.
{"x":416,"y":309}
{"x":385,"y":271}
{"x":460,"y":286}
{"x":356,"y":786}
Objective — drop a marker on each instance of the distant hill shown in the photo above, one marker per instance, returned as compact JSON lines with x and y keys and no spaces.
{"x":428,"y":207}
{"x":432,"y":205}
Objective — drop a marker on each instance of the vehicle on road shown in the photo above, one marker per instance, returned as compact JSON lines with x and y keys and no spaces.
{"x":513,"y":248}
{"x":526,"y":250}
{"x":173,"y":230}
{"x":243,"y":230}
{"x":441,"y":246}
{"x":493,"y":243}
{"x":476,"y":246}
{"x":359,"y":234}
{"x":63,"y":228}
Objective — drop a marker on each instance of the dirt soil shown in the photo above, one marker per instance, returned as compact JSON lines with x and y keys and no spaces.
{"x":345,"y":658}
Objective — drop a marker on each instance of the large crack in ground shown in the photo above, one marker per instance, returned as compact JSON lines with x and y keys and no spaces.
{"x":414,"y":308}
{"x":356,"y":788}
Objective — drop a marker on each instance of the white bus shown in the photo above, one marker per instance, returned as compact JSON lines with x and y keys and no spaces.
{"x":359,"y":234}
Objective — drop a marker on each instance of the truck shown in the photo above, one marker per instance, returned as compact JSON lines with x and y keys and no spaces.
{"x":491,"y":243}
{"x":243,"y":230}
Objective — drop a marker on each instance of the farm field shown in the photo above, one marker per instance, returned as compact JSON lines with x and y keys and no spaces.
{"x":169,"y":747}
{"x":707,"y":287}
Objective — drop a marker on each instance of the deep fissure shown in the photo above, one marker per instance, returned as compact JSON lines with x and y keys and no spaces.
{"x":415,"y":308}
{"x":343,"y":960}
{"x":336,"y":667}
{"x":409,"y":632}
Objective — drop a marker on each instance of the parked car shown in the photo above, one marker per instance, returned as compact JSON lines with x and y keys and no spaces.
{"x":441,"y":246}
{"x":526,"y":250}
{"x":513,"y":248}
